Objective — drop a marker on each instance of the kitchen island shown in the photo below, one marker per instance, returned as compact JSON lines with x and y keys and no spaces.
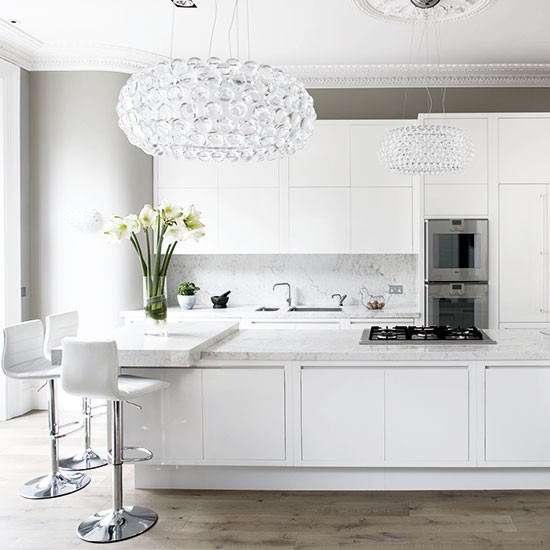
{"x":315,"y":410}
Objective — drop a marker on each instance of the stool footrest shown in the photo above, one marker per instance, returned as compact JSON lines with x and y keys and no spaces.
{"x":147,"y":455}
{"x":79,"y":426}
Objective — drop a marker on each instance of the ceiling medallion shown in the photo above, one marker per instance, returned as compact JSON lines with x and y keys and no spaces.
{"x":408,"y":11}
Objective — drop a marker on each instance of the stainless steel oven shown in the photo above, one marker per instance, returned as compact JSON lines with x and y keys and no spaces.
{"x":456,"y":250}
{"x":457,"y":304}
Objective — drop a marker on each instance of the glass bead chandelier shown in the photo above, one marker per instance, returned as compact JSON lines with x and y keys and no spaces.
{"x":215,"y":110}
{"x":426,"y":149}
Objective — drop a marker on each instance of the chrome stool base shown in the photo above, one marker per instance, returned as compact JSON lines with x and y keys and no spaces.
{"x":53,"y":485}
{"x":85,"y":460}
{"x":113,"y":526}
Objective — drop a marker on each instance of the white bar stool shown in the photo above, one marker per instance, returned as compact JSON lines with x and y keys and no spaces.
{"x":90,"y":368}
{"x":59,"y":326}
{"x":22,"y":359}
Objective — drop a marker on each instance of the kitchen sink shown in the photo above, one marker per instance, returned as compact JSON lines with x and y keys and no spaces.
{"x":263,"y":308}
{"x":298,"y":308}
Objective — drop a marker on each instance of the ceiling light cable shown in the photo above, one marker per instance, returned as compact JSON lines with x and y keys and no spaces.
{"x":172,"y":34}
{"x":213,"y":27}
{"x":231,"y":28}
{"x":411,"y":46}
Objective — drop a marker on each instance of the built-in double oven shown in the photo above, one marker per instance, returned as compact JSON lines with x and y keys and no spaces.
{"x":456,"y":272}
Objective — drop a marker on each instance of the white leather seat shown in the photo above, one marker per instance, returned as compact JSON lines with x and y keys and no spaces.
{"x":59,"y":326}
{"x":22,"y":359}
{"x":91,"y":368}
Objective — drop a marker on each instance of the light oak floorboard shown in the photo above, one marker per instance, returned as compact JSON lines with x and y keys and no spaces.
{"x":249,"y":520}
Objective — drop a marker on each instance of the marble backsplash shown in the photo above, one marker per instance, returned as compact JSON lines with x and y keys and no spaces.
{"x":313,"y":277}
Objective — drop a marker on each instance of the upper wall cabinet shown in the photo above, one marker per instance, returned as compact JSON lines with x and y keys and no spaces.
{"x":366,"y":169}
{"x":180,"y":174}
{"x":324,"y":161}
{"x":524,"y":144}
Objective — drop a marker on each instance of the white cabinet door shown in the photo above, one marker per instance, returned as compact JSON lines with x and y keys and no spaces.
{"x":206,"y":201}
{"x":324,"y":161}
{"x":517,"y":414}
{"x":427,"y":412}
{"x":523,"y":150}
{"x":186,"y":173}
{"x":382,"y":220}
{"x":249,"y":220}
{"x":319,"y":220}
{"x":249,"y":174}
{"x":522,"y":253}
{"x":244,"y":414}
{"x":476,"y":172}
{"x":170,"y":422}
{"x":343,"y":416}
{"x":459,"y":201}
{"x":366,"y":169}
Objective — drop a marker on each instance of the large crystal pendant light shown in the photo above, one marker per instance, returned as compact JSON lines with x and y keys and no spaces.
{"x":216,"y":110}
{"x":426,"y":149}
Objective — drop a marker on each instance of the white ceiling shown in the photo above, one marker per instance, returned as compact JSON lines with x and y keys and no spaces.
{"x":127,"y":34}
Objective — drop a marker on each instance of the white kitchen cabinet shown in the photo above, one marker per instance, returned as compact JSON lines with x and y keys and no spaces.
{"x":244,"y":414}
{"x":342,"y":415}
{"x":476,"y":128}
{"x":186,"y":173}
{"x":206,"y":201}
{"x":324,"y":161}
{"x":456,"y":201}
{"x":523,"y":249}
{"x":170,"y":422}
{"x":427,"y":415}
{"x":523,"y":148}
{"x":517,"y":414}
{"x":366,"y":168}
{"x":319,"y":220}
{"x":382,"y":220}
{"x":249,"y":174}
{"x":249,"y":220}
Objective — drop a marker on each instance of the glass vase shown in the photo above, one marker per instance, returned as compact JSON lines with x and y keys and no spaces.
{"x":155,"y":305}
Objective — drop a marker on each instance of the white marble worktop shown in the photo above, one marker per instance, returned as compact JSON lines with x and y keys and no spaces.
{"x":180,"y":348}
{"x":343,"y":345}
{"x":249,"y":312}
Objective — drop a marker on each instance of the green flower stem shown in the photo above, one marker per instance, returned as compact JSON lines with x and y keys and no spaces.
{"x":167,"y":258}
{"x":135,"y":243}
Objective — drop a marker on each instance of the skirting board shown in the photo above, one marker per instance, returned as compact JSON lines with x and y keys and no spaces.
{"x":335,"y":479}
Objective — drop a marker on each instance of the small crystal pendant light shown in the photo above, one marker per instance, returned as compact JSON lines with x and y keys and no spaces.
{"x":426,"y":149}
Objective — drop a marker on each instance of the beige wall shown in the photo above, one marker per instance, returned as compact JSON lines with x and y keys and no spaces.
{"x":79,"y":158}
{"x":387,"y":103}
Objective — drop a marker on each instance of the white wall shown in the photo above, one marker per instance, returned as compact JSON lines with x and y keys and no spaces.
{"x":79,"y":158}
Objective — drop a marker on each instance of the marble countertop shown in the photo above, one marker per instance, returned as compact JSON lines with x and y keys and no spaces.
{"x":180,"y":348}
{"x":248,"y":312}
{"x":343,"y":345}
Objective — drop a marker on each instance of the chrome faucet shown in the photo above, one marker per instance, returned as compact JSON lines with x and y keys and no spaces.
{"x":289,"y":299}
{"x":340,"y":298}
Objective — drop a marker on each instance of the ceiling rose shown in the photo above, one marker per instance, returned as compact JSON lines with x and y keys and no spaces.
{"x":406,"y":11}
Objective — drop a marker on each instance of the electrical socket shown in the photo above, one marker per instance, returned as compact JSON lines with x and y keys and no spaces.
{"x":396,"y":289}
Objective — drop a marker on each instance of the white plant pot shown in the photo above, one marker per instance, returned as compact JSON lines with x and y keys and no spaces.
{"x":186,"y":302}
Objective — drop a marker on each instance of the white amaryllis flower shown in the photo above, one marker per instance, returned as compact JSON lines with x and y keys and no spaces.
{"x":117,"y":229}
{"x":148,"y":216}
{"x":176,"y":232}
{"x":192,"y":219}
{"x":197,"y":234}
{"x":133,"y":223}
{"x":169,"y":211}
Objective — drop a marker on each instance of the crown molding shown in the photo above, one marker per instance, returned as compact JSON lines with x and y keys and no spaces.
{"x":33,"y":55}
{"x":421,"y":75}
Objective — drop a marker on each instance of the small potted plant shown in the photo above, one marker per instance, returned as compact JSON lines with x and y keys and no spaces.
{"x":186,"y":294}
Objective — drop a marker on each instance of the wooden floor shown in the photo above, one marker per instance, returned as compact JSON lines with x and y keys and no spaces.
{"x":511,"y":520}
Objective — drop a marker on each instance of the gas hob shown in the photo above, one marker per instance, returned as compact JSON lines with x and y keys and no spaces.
{"x":424,"y":335}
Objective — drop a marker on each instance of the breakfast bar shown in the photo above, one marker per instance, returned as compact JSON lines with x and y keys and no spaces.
{"x":314,"y":409}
